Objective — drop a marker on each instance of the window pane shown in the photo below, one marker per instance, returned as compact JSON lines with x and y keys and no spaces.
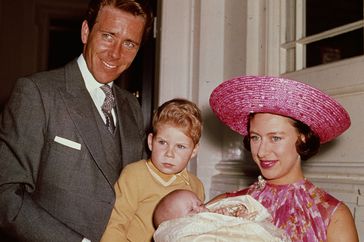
{"x":323,"y":15}
{"x":336,"y":48}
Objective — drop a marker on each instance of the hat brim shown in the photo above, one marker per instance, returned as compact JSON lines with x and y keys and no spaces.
{"x":233,"y":100}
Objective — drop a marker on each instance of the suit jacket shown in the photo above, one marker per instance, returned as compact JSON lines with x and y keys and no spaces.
{"x":60,"y":189}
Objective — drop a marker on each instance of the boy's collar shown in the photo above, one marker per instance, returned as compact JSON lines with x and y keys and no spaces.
{"x":166,"y":179}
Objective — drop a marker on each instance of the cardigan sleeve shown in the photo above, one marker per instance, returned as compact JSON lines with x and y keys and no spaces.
{"x":126,"y":205}
{"x":197,"y":187}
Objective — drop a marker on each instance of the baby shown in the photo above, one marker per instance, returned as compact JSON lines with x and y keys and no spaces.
{"x":180,"y":203}
{"x":181,"y":216}
{"x":177,"y":204}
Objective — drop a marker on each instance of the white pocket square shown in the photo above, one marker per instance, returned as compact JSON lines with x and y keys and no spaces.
{"x":67,"y":142}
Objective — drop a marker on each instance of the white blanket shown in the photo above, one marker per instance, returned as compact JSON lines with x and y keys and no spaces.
{"x":209,"y":226}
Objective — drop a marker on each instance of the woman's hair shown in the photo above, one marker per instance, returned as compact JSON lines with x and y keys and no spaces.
{"x":306,"y":149}
{"x":180,"y":113}
{"x":135,"y":7}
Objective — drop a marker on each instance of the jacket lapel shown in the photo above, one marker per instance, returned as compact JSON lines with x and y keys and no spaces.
{"x":80,"y":106}
{"x":127,"y":126}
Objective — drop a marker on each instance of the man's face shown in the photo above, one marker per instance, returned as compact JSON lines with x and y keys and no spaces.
{"x":112,"y":44}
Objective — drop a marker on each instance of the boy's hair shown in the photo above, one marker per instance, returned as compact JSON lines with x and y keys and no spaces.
{"x":181,"y":113}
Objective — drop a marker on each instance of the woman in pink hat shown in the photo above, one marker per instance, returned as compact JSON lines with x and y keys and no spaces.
{"x":284,"y":122}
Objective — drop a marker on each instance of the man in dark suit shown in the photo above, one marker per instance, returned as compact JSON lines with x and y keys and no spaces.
{"x":58,"y":159}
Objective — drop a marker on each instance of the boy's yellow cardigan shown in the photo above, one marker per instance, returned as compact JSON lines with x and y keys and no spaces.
{"x":138,"y":190}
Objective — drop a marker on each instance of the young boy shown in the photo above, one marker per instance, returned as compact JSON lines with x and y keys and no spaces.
{"x":181,"y":216}
{"x":177,"y":127}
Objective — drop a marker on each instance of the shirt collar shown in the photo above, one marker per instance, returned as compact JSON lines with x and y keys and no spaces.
{"x":90,"y":81}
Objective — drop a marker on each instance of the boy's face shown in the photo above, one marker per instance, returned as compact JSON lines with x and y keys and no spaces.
{"x":171,"y":149}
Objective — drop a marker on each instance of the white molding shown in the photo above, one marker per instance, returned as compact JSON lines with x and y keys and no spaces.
{"x":334,"y":76}
{"x":255,"y":43}
{"x":176,"y":60}
{"x":273,"y":40}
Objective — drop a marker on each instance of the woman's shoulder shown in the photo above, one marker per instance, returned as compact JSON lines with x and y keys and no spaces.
{"x":342,"y":226}
{"x":322,"y":198}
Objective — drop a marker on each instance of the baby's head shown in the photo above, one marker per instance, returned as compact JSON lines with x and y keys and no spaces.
{"x":177,"y":204}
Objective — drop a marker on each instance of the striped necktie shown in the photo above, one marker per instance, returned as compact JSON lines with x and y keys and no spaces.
{"x":107,"y":106}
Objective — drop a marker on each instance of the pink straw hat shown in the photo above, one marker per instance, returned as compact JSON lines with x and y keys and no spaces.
{"x":233,"y":100}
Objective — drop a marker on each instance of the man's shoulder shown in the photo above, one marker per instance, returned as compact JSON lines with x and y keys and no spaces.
{"x":52,"y":76}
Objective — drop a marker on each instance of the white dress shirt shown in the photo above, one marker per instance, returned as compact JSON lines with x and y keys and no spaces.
{"x":93,"y":87}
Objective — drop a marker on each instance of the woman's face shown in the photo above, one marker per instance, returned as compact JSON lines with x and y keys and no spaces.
{"x":273,"y":147}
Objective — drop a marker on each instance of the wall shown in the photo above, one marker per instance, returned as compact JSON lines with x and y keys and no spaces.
{"x":24,"y":25}
{"x":339,"y":167}
{"x":202,"y":43}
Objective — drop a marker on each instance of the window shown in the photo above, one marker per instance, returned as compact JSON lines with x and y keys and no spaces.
{"x":321,"y":31}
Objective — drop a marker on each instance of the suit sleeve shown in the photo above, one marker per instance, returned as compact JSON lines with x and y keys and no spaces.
{"x":23,"y":125}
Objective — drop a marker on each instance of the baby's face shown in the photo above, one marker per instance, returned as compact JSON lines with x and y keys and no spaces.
{"x":189,"y":204}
